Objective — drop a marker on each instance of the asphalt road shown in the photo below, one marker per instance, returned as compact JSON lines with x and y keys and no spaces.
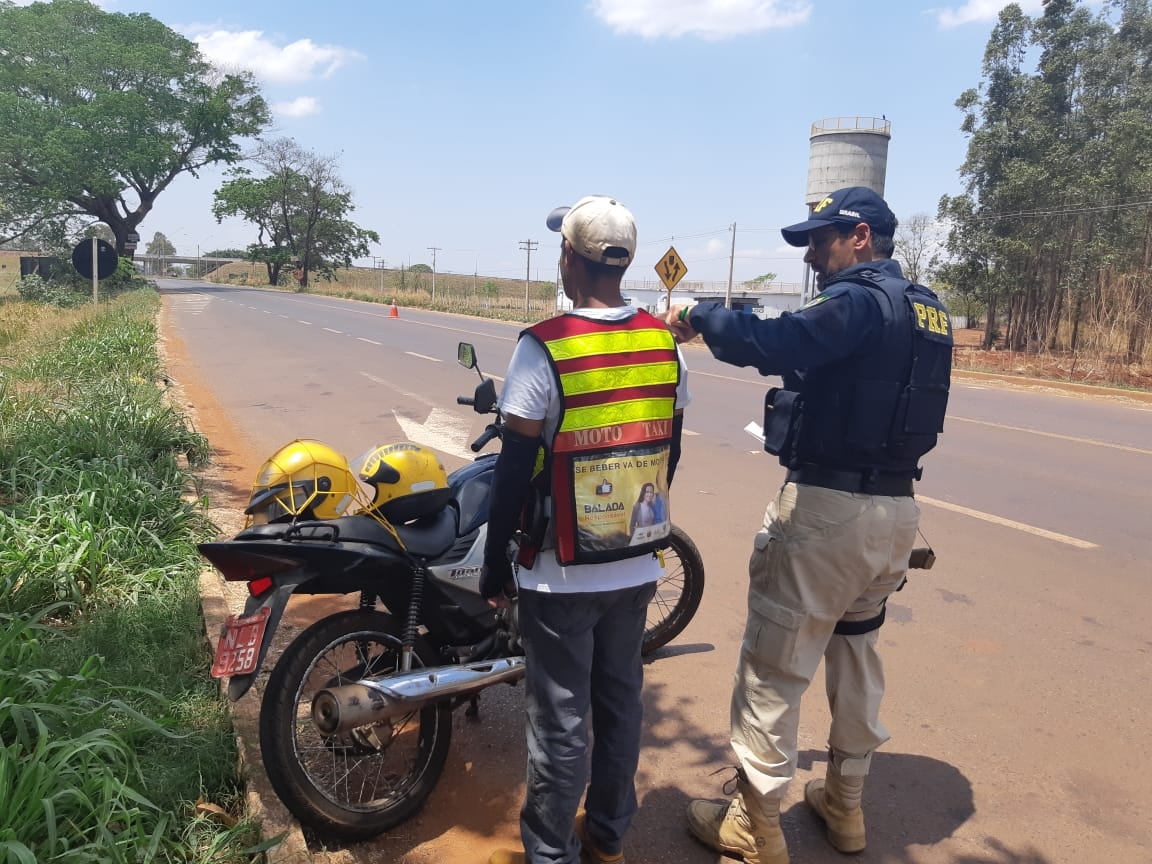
{"x":1019,"y":669}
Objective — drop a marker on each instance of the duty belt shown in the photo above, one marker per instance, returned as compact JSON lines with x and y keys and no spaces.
{"x":869,"y":482}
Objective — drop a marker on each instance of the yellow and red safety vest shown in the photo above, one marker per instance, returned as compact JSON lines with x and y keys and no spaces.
{"x":609,"y":455}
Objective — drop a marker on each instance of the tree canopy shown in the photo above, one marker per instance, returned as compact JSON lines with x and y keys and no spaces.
{"x":1054,"y":231}
{"x":101,"y":111}
{"x":160,"y":245}
{"x":299,"y":207}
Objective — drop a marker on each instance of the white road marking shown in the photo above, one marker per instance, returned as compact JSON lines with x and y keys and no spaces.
{"x":338,"y":332}
{"x":441,"y":431}
{"x":369,"y":341}
{"x":1072,"y":438}
{"x":194,"y":303}
{"x":1090,"y":441}
{"x":299,"y":321}
{"x":688,"y":432}
{"x":1008,"y":523}
{"x":423,"y":356}
{"x":421,"y":323}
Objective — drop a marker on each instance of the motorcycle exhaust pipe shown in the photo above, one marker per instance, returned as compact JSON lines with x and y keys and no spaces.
{"x":376,"y":700}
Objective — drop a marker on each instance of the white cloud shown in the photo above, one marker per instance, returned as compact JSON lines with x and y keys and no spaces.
{"x":301,"y":106}
{"x":302,"y":60}
{"x":981,"y":10}
{"x":708,"y":19}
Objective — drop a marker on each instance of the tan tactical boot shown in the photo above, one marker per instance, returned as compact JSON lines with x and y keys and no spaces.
{"x":735,"y":828}
{"x":836,"y":800}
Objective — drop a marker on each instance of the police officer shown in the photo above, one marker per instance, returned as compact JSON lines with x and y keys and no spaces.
{"x":865,"y":368}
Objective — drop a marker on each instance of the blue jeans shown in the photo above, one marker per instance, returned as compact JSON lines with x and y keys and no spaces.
{"x":583,"y":654}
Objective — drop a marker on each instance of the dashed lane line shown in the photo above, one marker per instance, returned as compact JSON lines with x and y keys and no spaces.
{"x":1008,"y":523}
{"x":1093,"y":441}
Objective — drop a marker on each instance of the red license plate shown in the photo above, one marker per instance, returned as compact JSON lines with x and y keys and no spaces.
{"x":238,"y":650}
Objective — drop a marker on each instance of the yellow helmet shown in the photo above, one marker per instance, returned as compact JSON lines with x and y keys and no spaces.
{"x":305,"y":479}
{"x":409,"y":481}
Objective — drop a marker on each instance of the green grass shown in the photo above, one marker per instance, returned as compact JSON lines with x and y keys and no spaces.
{"x":110,"y":727}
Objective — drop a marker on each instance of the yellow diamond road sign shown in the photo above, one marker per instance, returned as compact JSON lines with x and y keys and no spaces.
{"x":670,"y":268}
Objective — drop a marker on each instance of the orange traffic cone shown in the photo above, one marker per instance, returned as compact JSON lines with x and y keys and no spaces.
{"x":393,"y":312}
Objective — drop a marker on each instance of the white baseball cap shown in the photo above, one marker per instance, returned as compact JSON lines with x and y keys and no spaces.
{"x":599,"y":228}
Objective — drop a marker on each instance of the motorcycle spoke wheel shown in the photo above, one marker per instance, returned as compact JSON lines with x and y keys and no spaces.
{"x":368,"y":767}
{"x":362,"y":782}
{"x":678,"y":592}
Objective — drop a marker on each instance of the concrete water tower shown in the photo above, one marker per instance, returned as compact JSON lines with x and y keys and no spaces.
{"x":846,"y":151}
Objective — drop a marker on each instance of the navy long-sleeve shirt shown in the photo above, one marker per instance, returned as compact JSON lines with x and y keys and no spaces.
{"x":839,"y":321}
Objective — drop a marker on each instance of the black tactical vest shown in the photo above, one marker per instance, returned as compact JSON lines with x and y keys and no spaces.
{"x":882,"y":407}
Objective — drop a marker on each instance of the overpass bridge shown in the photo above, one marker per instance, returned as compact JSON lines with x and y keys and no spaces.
{"x":158,"y":265}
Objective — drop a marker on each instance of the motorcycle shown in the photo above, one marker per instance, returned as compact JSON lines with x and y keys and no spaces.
{"x":356,"y":716}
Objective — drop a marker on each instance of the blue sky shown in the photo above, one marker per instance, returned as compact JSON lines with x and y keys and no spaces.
{"x":460,"y":124}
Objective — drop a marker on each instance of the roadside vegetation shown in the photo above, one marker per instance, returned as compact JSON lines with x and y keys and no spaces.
{"x":111,"y":731}
{"x":1050,"y":244}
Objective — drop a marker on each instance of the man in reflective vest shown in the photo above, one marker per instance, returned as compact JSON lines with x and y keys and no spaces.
{"x":598,"y":393}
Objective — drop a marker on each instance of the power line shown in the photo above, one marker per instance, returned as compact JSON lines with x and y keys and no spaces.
{"x":675,"y":237}
{"x":1060,"y":211}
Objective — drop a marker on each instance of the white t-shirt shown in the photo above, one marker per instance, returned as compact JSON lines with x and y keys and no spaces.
{"x":531,"y":391}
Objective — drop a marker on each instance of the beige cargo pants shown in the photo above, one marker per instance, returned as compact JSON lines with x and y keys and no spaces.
{"x":822,"y":556}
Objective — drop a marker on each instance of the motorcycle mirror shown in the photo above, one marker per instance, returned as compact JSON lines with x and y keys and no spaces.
{"x":466,"y":355}
{"x":485,"y":397}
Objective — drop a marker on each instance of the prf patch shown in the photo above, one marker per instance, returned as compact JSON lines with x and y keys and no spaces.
{"x":931,"y":320}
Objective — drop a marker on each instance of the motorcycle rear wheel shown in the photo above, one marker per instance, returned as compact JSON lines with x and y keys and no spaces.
{"x":678,"y":592}
{"x":360,"y":784}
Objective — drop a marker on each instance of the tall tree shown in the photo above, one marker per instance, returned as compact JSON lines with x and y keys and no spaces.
{"x":161,"y":246}
{"x":914,"y":243}
{"x":100,"y":112}
{"x":299,"y":208}
{"x":1055,"y":224}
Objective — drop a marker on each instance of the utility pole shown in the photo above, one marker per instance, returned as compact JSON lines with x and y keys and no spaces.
{"x":731,"y":262}
{"x":434,"y":250}
{"x":527,"y":246}
{"x":379,"y":258}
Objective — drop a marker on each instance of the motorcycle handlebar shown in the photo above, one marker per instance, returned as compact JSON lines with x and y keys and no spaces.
{"x":465,"y":400}
{"x":490,"y":431}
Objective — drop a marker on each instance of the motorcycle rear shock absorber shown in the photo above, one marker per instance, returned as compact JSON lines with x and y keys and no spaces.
{"x":412,"y":620}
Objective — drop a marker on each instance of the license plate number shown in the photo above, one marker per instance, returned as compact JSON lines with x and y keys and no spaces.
{"x":238,"y":650}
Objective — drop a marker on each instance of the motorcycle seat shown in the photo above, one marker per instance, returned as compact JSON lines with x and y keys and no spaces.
{"x":427,"y":537}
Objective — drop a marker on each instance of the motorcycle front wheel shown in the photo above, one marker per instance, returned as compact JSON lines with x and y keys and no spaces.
{"x":677,"y":594}
{"x":361,"y":783}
